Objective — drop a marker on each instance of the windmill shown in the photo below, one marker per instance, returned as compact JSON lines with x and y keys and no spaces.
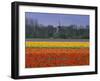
{"x":57,"y":30}
{"x":58,"y":27}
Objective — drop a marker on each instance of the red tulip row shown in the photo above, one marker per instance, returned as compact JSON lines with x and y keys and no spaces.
{"x":53,"y":57}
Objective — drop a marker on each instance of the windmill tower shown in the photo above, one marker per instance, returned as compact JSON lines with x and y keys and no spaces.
{"x":56,"y":34}
{"x":59,"y":27}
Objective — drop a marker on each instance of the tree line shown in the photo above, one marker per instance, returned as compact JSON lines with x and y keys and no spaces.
{"x":36,"y":30}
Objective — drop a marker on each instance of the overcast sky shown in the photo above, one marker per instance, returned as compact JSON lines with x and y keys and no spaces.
{"x":54,"y":19}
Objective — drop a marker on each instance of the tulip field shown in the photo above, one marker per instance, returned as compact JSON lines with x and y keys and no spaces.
{"x":53,"y":54}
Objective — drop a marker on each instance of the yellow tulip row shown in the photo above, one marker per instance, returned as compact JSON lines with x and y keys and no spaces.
{"x":57,"y":44}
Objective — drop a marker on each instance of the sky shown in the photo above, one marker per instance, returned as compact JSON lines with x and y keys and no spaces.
{"x":54,"y":19}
